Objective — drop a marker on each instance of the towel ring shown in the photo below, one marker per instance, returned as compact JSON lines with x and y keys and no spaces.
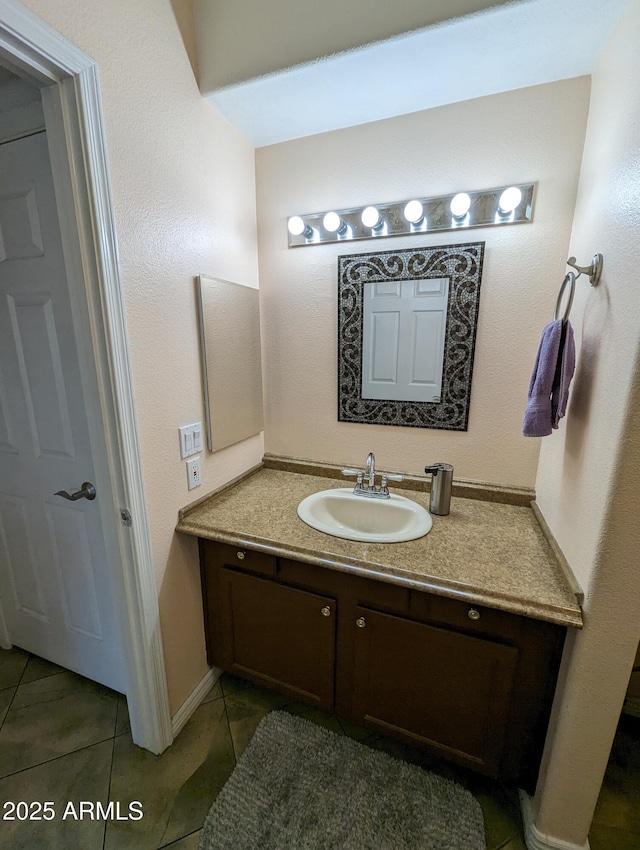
{"x":569,"y":278}
{"x":593,"y":272}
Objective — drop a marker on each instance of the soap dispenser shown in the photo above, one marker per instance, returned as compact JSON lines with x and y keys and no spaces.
{"x":440,"y":499}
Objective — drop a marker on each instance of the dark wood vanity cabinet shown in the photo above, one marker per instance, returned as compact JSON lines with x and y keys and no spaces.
{"x":469,"y":683}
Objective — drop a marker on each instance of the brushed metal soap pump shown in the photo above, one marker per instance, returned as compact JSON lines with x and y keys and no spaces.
{"x":440,"y":498}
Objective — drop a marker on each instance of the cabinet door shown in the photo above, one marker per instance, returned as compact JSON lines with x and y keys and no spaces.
{"x":279,"y":636}
{"x":441,"y":688}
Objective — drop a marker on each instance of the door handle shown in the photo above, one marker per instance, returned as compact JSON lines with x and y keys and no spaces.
{"x":88,"y":492}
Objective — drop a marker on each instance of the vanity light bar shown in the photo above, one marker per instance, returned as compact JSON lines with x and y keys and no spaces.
{"x":504,"y":205}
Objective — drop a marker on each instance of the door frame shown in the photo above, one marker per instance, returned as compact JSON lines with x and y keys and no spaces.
{"x":69,"y":84}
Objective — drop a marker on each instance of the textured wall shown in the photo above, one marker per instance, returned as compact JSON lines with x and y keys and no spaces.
{"x":183,"y":188}
{"x":183,"y":11}
{"x":533,"y":134}
{"x":588,"y":475}
{"x":241,"y":39}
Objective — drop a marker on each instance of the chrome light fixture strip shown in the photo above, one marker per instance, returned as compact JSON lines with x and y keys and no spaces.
{"x":347,"y":225}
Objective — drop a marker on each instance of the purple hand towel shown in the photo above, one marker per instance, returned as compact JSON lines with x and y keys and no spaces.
{"x":564,"y":373}
{"x":538,"y":417}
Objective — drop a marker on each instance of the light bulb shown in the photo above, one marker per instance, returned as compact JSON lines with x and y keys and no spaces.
{"x":414,"y":212}
{"x":296,"y":225}
{"x":509,"y":199}
{"x":370,"y":217}
{"x":460,"y":204}
{"x":332,"y":222}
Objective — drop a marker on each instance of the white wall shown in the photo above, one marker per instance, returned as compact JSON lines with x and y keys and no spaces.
{"x":533,"y":134}
{"x":588,"y":476}
{"x":184,"y":195}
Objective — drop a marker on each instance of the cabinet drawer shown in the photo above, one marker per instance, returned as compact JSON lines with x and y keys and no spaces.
{"x":464,"y":615}
{"x":226,"y":555}
{"x":383,"y":595}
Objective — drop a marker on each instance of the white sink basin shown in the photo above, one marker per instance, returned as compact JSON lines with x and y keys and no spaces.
{"x":341,"y":514}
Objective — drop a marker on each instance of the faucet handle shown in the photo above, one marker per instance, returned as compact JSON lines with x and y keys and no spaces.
{"x":386,"y":476}
{"x":358,"y":476}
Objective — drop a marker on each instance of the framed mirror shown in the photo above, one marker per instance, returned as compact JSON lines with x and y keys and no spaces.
{"x":231,"y":360}
{"x":406,"y":335}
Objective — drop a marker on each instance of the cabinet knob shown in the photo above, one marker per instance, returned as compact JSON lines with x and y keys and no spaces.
{"x":326,"y":611}
{"x":473,"y":614}
{"x":241,"y":555}
{"x":361,"y":622}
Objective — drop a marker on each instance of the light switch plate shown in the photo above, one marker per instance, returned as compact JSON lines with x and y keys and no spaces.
{"x":190,"y":439}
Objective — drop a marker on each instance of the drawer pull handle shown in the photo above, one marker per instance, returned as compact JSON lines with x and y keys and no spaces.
{"x":241,"y":555}
{"x":473,"y":614}
{"x":326,"y":611}
{"x":361,"y":622}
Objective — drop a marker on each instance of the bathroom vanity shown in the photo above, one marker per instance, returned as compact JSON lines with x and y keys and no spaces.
{"x":451,"y":642}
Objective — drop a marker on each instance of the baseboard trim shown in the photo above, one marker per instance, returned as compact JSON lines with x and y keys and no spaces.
{"x":536,"y":840}
{"x":182,"y":715}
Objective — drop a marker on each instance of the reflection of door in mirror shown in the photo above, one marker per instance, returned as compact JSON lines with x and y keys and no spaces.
{"x":403,"y":337}
{"x":231,"y":361}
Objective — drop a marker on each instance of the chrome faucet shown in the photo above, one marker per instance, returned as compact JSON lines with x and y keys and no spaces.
{"x":370,"y":470}
{"x":369,"y":474}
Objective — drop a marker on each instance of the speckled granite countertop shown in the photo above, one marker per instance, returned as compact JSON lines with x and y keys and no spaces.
{"x":486,"y":553}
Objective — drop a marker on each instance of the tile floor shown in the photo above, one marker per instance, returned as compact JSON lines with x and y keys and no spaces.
{"x":64,"y":738}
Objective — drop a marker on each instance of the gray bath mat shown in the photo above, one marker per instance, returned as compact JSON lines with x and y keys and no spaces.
{"x":300,"y":787}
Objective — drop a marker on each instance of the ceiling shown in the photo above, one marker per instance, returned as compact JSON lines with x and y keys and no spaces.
{"x":6,"y":76}
{"x":509,"y":46}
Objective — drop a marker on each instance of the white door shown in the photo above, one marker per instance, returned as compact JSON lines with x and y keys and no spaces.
{"x":55,"y":586}
{"x":403,"y":334}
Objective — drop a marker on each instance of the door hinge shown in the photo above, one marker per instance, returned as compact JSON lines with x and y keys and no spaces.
{"x":125,"y":516}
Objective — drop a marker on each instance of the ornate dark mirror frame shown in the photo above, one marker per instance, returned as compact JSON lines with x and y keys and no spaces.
{"x":462,"y":264}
